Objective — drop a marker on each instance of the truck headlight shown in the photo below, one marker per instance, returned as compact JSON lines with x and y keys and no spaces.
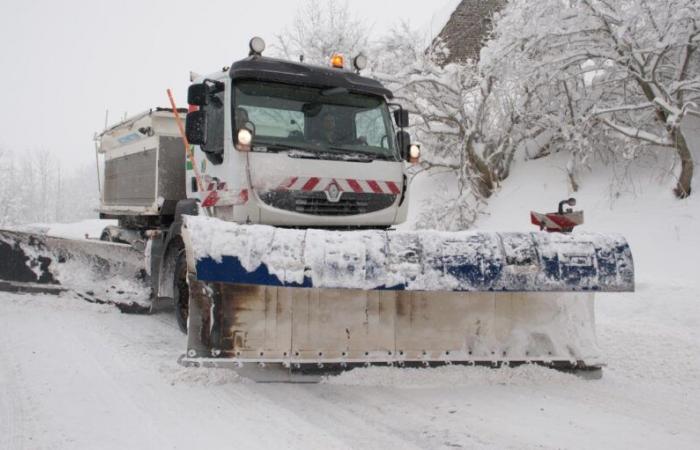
{"x":414,"y":152}
{"x":243,"y":139}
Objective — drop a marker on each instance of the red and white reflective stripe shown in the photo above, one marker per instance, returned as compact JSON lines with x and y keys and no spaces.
{"x":316,"y":184}
{"x":224,"y":197}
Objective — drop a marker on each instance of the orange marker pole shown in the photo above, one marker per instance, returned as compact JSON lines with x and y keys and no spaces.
{"x":188,"y":149}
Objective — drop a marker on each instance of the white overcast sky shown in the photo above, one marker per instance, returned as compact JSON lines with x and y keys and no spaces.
{"x":64,"y":63}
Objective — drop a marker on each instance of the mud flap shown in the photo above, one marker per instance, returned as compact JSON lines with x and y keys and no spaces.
{"x":96,"y":271}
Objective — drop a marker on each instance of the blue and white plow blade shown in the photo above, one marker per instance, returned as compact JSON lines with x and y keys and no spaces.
{"x":411,"y":261}
{"x":301,"y":299}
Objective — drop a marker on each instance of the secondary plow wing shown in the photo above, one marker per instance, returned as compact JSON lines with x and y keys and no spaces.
{"x":97,"y":271}
{"x":308,"y":299}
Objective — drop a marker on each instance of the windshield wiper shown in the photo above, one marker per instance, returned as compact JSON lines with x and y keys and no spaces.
{"x":330,"y":155}
{"x":353,"y":156}
{"x":324,"y":152}
{"x":308,"y":152}
{"x":368,"y":153}
{"x":279,"y":146}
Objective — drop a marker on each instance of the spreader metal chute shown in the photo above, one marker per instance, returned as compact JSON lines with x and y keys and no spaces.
{"x":97,"y":271}
{"x":310,"y":299}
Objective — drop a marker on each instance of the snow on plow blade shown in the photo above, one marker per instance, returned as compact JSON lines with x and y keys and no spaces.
{"x":97,"y":271}
{"x":410,"y":261}
{"x":311,"y":298}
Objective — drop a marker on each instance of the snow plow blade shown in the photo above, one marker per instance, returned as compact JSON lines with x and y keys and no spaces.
{"x":311,"y":299}
{"x":96,"y":271}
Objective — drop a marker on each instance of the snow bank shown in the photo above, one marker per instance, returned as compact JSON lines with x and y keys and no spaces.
{"x":635,"y":201}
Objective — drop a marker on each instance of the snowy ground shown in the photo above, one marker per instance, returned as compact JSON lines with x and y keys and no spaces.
{"x":75,"y":375}
{"x":81,"y":376}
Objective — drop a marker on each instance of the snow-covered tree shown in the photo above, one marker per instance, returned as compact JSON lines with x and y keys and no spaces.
{"x":620,"y":74}
{"x":79,"y":194}
{"x":460,"y":115}
{"x":10,"y":204}
{"x":320,"y":29}
{"x":581,"y":76}
{"x":34,"y":189}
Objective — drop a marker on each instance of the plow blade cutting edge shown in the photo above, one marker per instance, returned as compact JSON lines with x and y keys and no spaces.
{"x":310,"y":300}
{"x":96,"y":271}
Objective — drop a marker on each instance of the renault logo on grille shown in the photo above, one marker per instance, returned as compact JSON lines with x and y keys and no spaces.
{"x":333,"y":193}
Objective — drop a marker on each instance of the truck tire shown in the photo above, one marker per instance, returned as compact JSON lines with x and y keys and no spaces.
{"x":119,"y":235}
{"x":106,"y":236}
{"x":181,"y":291}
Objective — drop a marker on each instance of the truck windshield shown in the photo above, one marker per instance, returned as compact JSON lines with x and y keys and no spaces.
{"x":316,"y":120}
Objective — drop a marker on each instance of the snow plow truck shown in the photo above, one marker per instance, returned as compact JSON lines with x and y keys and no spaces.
{"x":265,"y":214}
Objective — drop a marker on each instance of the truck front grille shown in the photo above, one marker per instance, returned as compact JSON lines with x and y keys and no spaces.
{"x":316,"y":203}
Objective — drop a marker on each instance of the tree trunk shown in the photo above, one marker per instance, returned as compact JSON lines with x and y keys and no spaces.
{"x":685,"y":180}
{"x":485,"y":183}
{"x":572,"y":181}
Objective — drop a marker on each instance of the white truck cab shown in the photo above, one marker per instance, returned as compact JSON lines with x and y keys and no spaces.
{"x":291,"y":144}
{"x":270,"y":142}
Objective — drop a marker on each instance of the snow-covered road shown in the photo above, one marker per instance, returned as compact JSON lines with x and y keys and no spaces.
{"x":74,"y":375}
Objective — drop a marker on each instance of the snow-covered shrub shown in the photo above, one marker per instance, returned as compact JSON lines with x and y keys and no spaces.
{"x":618,"y":74}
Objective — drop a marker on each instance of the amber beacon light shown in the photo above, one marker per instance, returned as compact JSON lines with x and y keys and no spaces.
{"x":338,"y":61}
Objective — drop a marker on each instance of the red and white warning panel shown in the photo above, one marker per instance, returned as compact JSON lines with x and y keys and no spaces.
{"x":316,"y":184}
{"x":218,"y":194}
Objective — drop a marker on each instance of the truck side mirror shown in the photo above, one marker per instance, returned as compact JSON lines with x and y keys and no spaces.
{"x":401,"y":118}
{"x":404,"y":141}
{"x":198,"y":94}
{"x":196,"y":128}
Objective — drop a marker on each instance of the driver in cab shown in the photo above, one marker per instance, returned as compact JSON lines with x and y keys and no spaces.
{"x":332,"y":135}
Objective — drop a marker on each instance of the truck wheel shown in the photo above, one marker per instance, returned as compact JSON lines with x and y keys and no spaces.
{"x":106,"y":236}
{"x":181,"y":291}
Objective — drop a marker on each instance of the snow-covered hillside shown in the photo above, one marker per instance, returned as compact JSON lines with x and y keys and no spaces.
{"x":662,"y":231}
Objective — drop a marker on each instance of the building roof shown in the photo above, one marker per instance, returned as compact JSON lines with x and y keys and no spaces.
{"x":466,"y":30}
